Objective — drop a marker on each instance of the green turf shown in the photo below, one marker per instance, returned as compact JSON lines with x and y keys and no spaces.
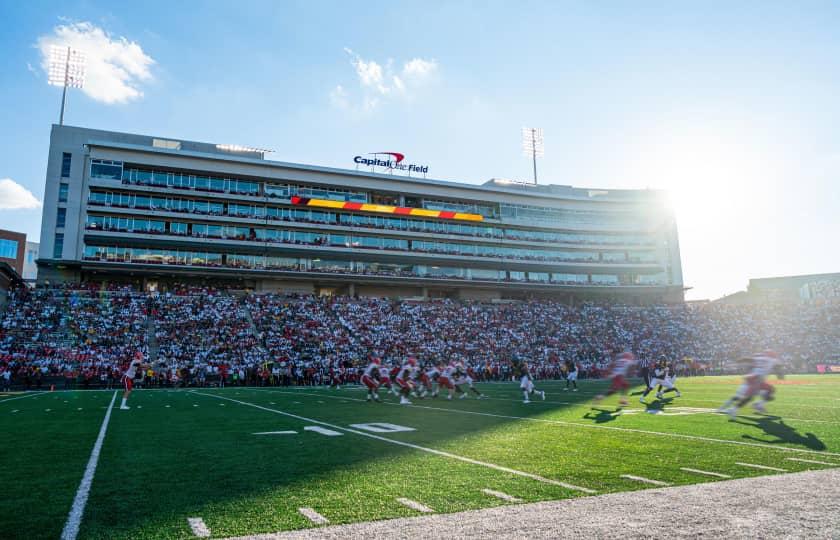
{"x":180,"y":454}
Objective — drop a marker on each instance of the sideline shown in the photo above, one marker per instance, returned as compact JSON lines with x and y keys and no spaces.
{"x":74,"y":519}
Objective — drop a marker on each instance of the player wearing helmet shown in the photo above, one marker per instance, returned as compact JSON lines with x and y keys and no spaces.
{"x":755,"y":383}
{"x":404,"y":381}
{"x":130,"y":372}
{"x":619,"y":373}
{"x":370,"y":378}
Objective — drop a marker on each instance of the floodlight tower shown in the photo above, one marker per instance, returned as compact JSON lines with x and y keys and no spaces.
{"x":533,"y":145}
{"x":67,"y":68}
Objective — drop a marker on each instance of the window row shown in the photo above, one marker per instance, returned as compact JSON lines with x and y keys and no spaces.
{"x":256,"y":234}
{"x":261,"y":262}
{"x":255,"y":211}
{"x":115,"y":170}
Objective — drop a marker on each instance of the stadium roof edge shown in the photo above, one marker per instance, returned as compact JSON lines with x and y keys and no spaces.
{"x":572,"y":193}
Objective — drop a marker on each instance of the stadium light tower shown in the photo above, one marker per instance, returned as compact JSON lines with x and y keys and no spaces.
{"x":67,"y":68}
{"x":533,"y":146}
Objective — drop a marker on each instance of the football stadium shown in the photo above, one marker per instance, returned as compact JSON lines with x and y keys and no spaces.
{"x":219,"y":344}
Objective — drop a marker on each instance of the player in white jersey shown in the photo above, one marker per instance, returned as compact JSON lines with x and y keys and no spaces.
{"x":755,"y":383}
{"x":370,"y":378}
{"x":526,"y":384}
{"x":447,"y":380}
{"x":669,"y":383}
{"x":619,"y":373}
{"x":462,"y":377}
{"x":431,"y":380}
{"x":404,"y":381}
{"x":128,"y":377}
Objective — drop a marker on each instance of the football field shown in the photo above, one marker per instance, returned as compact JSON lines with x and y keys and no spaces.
{"x":236,"y":461}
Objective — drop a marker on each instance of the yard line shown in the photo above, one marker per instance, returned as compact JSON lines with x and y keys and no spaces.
{"x":812,"y":461}
{"x":313,"y":516}
{"x":414,"y":505}
{"x":707,"y":473}
{"x":599,"y":426}
{"x":322,"y":431}
{"x":414,"y":446}
{"x":199,"y":528}
{"x":764,"y":467}
{"x":500,"y":495}
{"x":275,"y":433}
{"x":21,"y":397}
{"x":645,"y":480}
{"x":74,"y":519}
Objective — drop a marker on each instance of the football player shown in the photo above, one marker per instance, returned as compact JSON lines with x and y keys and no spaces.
{"x":755,"y":383}
{"x":462,"y":376}
{"x":656,"y":376}
{"x":526,"y":384}
{"x":670,"y":382}
{"x":370,"y":378}
{"x":618,"y":374}
{"x":130,"y":372}
{"x":404,"y":380}
{"x":571,"y":375}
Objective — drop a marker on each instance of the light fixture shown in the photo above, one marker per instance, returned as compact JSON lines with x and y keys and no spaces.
{"x":67,"y":69}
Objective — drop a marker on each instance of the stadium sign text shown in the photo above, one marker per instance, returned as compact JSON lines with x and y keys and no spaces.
{"x":395,"y":161}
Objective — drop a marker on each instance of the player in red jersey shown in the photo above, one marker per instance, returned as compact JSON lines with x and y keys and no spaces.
{"x":130,"y":372}
{"x":755,"y":383}
{"x":370,"y":378}
{"x":447,"y":380}
{"x":619,"y":373}
{"x":403,"y":379}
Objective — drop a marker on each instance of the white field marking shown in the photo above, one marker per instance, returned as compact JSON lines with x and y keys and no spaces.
{"x":79,"y":409}
{"x":500,"y":495}
{"x":764,"y":467}
{"x":417,"y":447}
{"x":707,"y":473}
{"x":599,"y":426}
{"x":167,"y":406}
{"x":15,"y":410}
{"x":74,"y":519}
{"x":414,"y":505}
{"x":20,"y":397}
{"x":382,"y":427}
{"x":290,"y":432}
{"x":645,"y":480}
{"x":199,"y":528}
{"x":47,"y":410}
{"x":313,"y":516}
{"x":812,"y":461}
{"x":323,"y":431}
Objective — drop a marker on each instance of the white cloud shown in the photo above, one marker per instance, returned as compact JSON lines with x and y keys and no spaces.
{"x":14,"y":196}
{"x":378,"y":82}
{"x":114,"y":65}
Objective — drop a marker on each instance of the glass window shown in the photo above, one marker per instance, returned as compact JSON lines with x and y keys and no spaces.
{"x":62,"y":192}
{"x":8,"y":249}
{"x":58,"y":246}
{"x":61,"y":217}
{"x":66,"y":159}
{"x":103,"y":168}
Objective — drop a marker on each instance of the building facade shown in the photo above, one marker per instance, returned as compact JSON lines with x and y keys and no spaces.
{"x":30,"y":266}
{"x":157,"y":211}
{"x":12,"y":247}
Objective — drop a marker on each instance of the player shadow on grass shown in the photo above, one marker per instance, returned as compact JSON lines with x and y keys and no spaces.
{"x":775,"y":426}
{"x":603,"y":415}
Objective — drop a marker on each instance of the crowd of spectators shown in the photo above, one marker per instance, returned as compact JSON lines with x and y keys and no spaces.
{"x":198,"y":336}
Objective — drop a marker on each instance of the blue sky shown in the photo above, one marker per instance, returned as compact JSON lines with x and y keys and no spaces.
{"x":732,"y":106}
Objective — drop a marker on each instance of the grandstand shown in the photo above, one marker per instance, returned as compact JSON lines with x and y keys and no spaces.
{"x":159,"y":212}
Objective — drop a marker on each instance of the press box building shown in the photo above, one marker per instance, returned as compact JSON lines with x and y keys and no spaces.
{"x":157,"y":211}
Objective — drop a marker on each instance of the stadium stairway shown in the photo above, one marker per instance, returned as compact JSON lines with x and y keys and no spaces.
{"x":151,"y":339}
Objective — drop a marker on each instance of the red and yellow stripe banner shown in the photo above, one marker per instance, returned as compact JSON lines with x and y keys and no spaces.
{"x":385,"y":209}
